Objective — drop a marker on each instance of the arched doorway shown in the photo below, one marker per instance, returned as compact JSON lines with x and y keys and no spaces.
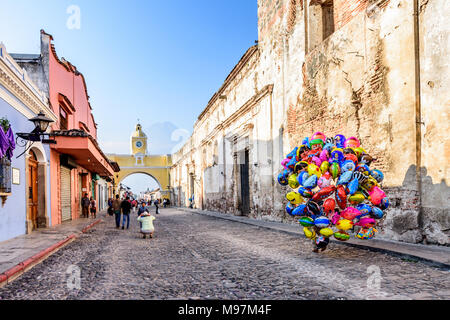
{"x":36,"y":189}
{"x":32,"y":190}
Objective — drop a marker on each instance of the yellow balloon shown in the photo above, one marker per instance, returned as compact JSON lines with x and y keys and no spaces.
{"x":324,"y":167}
{"x":326,"y":232}
{"x":344,"y":224}
{"x":356,"y":198}
{"x":359,"y":151}
{"x":310,"y":234}
{"x":292,"y":181}
{"x":314,"y":169}
{"x":294,"y":197}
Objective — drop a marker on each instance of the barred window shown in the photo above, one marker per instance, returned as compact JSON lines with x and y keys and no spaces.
{"x":5,"y":175}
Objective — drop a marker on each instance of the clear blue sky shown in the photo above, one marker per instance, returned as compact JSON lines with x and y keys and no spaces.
{"x":159,"y":61}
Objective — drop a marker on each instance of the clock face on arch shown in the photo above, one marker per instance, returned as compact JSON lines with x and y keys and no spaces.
{"x":138,"y":144}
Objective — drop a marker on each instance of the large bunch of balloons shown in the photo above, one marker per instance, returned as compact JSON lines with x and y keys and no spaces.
{"x":334,"y":191}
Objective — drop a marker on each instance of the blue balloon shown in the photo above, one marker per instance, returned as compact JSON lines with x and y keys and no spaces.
{"x":377,"y":213}
{"x":364,"y":209}
{"x":345,"y":178}
{"x":282,"y":180}
{"x":306,"y":142}
{"x":302,"y":176}
{"x":340,"y":141}
{"x":377,"y":174}
{"x":328,"y":146}
{"x":322,"y":222}
{"x":384,"y":204}
{"x":347,"y":165}
{"x":353,"y":186}
{"x":311,"y":182}
{"x":289,"y":208}
{"x":292,"y":154}
{"x":299,"y":211}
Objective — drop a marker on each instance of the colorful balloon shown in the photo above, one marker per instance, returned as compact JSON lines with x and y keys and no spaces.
{"x":326,"y":232}
{"x":324,"y":193}
{"x":341,"y":235}
{"x":341,"y":197}
{"x":350,"y":213}
{"x":365,"y":234}
{"x":294,"y":197}
{"x":335,"y":170}
{"x":304,"y":192}
{"x":322,"y":222}
{"x":352,"y":142}
{"x":329,"y":205}
{"x":344,"y":224}
{"x":313,"y":169}
{"x":340,"y":140}
{"x":376,"y":195}
{"x":321,"y":166}
{"x":366,"y":222}
{"x":309,"y":233}
{"x":306,"y":221}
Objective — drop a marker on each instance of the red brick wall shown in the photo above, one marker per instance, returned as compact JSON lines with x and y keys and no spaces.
{"x":345,"y":10}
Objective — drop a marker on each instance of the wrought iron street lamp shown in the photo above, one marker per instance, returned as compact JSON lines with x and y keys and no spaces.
{"x":41,"y":123}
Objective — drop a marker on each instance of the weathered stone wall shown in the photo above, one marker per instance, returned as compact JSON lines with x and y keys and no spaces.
{"x":358,"y":81}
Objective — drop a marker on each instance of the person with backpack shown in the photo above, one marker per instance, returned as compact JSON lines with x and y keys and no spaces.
{"x":156,"y":203}
{"x":126,"y":208}
{"x":116,"y":206}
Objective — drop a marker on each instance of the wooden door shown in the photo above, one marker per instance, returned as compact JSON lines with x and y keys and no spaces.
{"x":245,"y":186}
{"x":33,"y":189}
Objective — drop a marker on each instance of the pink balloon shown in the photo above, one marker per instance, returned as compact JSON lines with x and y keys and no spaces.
{"x":316,"y":161}
{"x":376,"y":195}
{"x":366,"y":222}
{"x":335,"y":218}
{"x":324,"y":155}
{"x":285,"y":162}
{"x":350,"y":213}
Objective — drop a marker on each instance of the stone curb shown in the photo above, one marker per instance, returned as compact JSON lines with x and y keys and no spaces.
{"x":258,"y":223}
{"x":22,"y":267}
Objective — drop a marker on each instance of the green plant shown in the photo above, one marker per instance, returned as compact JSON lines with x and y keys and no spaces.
{"x":4,"y":122}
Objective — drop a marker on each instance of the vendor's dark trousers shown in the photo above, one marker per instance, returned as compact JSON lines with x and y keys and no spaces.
{"x":157,"y":210}
{"x":85,"y":212}
{"x":117,"y":214}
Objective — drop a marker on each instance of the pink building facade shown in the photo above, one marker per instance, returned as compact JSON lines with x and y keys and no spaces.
{"x":76,"y":160}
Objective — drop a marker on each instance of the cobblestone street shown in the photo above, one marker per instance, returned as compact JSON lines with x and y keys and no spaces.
{"x":199,"y":257}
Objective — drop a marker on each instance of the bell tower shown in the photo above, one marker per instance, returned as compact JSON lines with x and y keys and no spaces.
{"x":139,"y":142}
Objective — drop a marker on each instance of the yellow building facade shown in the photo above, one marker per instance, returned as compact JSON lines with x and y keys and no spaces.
{"x":139,"y":161}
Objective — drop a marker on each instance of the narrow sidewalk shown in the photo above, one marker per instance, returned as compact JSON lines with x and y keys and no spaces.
{"x":436,"y":255}
{"x":23,"y":252}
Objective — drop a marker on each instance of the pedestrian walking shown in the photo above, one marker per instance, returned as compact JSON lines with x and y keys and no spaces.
{"x":93,"y":208}
{"x":85,"y":204}
{"x":156,"y":203}
{"x":110,"y":208}
{"x":116,"y":205}
{"x":147,"y":228}
{"x":126,"y":209}
{"x":164,"y":202}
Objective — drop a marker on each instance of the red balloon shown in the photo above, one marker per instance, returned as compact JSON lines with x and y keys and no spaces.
{"x":324,"y":193}
{"x":341,"y":197}
{"x":329,"y":205}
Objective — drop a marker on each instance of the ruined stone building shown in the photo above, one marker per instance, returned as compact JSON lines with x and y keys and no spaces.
{"x":375,"y":69}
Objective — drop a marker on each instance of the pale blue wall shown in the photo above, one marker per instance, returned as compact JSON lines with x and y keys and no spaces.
{"x":13,"y":213}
